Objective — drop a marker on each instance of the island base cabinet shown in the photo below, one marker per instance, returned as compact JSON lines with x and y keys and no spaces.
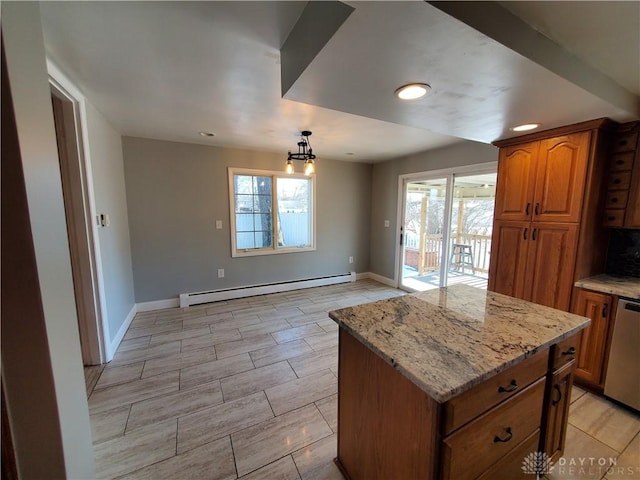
{"x":387,"y":426}
{"x":511,"y":466}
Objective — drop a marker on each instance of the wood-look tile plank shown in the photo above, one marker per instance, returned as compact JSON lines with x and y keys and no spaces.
{"x":576,"y":393}
{"x":215,"y":422}
{"x":138,"y":355}
{"x":134,"y":343}
{"x":304,"y":319}
{"x":135,"y":332}
{"x":210,"y":371}
{"x":205,"y":320}
{"x":323,"y":340}
{"x":255,"y":380}
{"x":91,"y":376}
{"x":295,"y":333}
{"x":309,"y":363}
{"x":115,"y":375}
{"x":280,"y":313}
{"x":143,"y":447}
{"x":233,"y":323}
{"x":329,"y":409}
{"x":604,"y":421}
{"x":628,"y":463}
{"x":264,"y":327}
{"x":174,"y":405}
{"x":318,"y":307}
{"x":315,"y":462}
{"x":210,"y":339}
{"x":118,"y":395}
{"x":277,"y":353}
{"x":270,"y":440}
{"x":213,"y":461}
{"x":229,"y":349}
{"x":301,"y":391}
{"x":328,"y":325}
{"x":109,"y":424}
{"x":283,"y":469}
{"x":180,"y":335}
{"x":177,"y":361}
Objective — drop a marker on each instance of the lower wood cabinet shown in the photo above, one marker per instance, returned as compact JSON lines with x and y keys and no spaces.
{"x":558,"y":398}
{"x":591,"y":363}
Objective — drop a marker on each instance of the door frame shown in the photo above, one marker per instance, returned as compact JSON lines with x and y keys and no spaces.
{"x":94,"y":332}
{"x":450,"y":174}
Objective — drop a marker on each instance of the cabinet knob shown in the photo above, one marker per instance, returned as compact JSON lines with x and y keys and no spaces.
{"x":504,"y":438}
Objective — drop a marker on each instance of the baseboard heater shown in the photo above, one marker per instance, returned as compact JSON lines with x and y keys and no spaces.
{"x":197,"y":298}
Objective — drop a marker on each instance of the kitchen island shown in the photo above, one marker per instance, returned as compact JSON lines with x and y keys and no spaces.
{"x":453,"y":383}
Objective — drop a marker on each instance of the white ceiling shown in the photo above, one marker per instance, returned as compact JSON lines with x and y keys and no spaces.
{"x":168,"y":70}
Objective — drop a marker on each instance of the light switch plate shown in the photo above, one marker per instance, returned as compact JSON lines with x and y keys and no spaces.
{"x":221,"y":273}
{"x":219,"y":224}
{"x":387,"y":223}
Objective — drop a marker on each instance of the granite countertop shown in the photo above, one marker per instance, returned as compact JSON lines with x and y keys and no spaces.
{"x":617,"y":285}
{"x":450,"y":339}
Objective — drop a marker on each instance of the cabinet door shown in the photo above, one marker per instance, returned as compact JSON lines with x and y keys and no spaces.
{"x":593,"y":339}
{"x":516,"y":182}
{"x":560,"y":178}
{"x":550,"y":264}
{"x":509,"y":257}
{"x":557,"y":411}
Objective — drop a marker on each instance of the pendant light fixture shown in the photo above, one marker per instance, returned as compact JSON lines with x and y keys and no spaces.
{"x":305,"y":153}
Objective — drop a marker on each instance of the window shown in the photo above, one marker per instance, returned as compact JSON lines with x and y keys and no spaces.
{"x":271,"y":212}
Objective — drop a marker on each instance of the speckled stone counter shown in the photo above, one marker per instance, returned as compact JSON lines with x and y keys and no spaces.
{"x":622,"y":286}
{"x":450,"y":339}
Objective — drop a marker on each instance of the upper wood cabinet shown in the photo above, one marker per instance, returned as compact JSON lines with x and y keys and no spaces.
{"x":544,"y":180}
{"x":632,"y":215}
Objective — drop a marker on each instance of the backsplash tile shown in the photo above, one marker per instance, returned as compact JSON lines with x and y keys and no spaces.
{"x":623,"y":257}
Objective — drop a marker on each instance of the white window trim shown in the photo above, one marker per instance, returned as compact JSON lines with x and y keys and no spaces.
{"x":269,"y":250}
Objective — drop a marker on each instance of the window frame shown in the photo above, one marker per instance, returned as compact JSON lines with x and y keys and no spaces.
{"x":275,"y":222}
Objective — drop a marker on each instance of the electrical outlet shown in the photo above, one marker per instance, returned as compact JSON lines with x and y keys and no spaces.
{"x":350,"y":259}
{"x":219,"y":224}
{"x":387,"y":223}
{"x":221,"y":273}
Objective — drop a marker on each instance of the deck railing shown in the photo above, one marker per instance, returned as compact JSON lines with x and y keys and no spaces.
{"x":480,"y":250}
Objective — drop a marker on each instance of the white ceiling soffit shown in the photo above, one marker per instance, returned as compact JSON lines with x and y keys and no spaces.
{"x":167,"y":70}
{"x":480,"y":88}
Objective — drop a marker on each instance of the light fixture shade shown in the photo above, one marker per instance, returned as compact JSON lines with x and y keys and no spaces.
{"x":289,"y":167}
{"x":309,"y":167}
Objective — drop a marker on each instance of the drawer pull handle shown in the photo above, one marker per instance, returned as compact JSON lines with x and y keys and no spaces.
{"x":622,"y":143}
{"x":513,"y":386}
{"x":556,"y":387}
{"x":506,"y":438}
{"x":611,"y":217}
{"x":614,"y":200}
{"x":616,"y":181}
{"x":619,"y":161}
{"x":571,"y":351}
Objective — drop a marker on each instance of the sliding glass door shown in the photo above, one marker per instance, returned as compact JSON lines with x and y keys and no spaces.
{"x":446,"y":230}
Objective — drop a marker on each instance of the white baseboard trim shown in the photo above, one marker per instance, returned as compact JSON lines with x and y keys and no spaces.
{"x":378,"y":278}
{"x":158,"y":305}
{"x":115,"y":342}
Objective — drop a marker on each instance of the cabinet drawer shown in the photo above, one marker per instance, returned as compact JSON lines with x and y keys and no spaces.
{"x":616,"y":199}
{"x":511,"y":466}
{"x":624,"y":142}
{"x":622,"y":162}
{"x":565,"y":351}
{"x":468,"y":405}
{"x":477,"y":446}
{"x":619,"y":180}
{"x":613,"y":218}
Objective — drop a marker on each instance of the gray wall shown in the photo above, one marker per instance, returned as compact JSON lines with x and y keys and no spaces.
{"x":105,"y":147}
{"x":29,"y":398}
{"x":384,"y":185}
{"x":176,"y":192}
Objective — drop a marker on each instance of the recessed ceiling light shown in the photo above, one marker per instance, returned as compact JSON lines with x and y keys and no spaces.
{"x":349,"y":153}
{"x":525,"y":127}
{"x":412,"y":91}
{"x":207,"y":134}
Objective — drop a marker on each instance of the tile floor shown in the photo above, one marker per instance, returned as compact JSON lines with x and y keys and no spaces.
{"x":247,"y":388}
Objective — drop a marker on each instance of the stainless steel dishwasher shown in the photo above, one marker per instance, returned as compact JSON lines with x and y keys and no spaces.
{"x":622,"y":382}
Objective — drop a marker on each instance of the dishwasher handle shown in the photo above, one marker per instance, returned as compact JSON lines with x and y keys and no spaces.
{"x":632,"y":306}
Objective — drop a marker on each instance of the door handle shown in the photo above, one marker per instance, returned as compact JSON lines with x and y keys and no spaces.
{"x":605,"y":310}
{"x":533,"y":234}
{"x":536,"y":208}
{"x":526,"y":212}
{"x":525,"y":232}
{"x":556,"y":387}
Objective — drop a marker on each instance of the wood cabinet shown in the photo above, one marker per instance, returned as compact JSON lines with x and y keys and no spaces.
{"x":591,"y":363}
{"x":544,"y":180}
{"x":547,"y":229}
{"x":558,"y":399}
{"x":535,"y":261}
{"x":622,"y":203}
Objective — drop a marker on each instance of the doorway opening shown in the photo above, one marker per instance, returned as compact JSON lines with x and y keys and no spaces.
{"x":446,"y":226}
{"x":79,"y":224}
